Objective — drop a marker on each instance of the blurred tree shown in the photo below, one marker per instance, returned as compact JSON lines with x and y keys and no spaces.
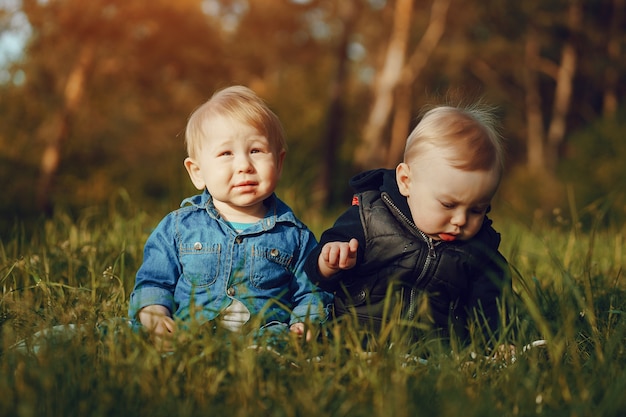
{"x":57,"y":131}
{"x":347,"y":14}
{"x":543,"y":64}
{"x":543,"y":148}
{"x":372,"y":151}
{"x":293,"y":65}
{"x":613,"y":52}
{"x":113,"y":82}
{"x":101,"y":94}
{"x":414,"y":67}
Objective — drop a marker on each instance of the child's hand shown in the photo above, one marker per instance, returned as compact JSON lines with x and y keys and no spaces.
{"x":504,"y":353}
{"x":299,"y":329}
{"x":156,"y":318}
{"x":336,"y":256}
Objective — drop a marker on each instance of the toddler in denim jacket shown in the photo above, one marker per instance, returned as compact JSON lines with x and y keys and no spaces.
{"x":236,"y":251}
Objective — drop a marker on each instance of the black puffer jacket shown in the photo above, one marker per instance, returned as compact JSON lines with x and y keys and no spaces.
{"x":457,"y":278}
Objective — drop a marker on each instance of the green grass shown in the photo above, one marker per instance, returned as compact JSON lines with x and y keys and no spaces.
{"x":568,"y":285}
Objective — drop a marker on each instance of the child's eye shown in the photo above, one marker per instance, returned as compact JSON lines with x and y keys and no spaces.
{"x":225,"y":153}
{"x":259,"y":149}
{"x":447,"y":205}
{"x":478,"y":210}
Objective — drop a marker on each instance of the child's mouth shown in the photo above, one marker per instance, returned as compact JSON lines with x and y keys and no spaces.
{"x":246,"y":184}
{"x":447,"y":237}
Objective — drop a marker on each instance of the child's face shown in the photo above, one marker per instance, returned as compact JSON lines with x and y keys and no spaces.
{"x":446,"y":203}
{"x":238,"y":166}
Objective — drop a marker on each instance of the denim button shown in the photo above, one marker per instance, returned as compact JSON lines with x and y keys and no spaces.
{"x":274,"y":252}
{"x":197,"y":246}
{"x":230,"y":291}
{"x":238,"y":239}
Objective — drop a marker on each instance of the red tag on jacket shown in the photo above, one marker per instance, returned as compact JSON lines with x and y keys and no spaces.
{"x":355,"y":200}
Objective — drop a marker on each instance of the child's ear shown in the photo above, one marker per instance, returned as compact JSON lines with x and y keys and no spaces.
{"x":403,"y":178}
{"x":193,"y":169}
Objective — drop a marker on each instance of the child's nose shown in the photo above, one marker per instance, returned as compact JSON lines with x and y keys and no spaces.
{"x":243,"y":163}
{"x":459,"y":218}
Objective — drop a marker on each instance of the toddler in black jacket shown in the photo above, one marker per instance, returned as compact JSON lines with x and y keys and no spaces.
{"x":418,"y":240}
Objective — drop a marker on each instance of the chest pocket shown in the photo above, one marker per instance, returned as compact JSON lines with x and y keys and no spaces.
{"x":200,"y":262}
{"x":271,"y":267}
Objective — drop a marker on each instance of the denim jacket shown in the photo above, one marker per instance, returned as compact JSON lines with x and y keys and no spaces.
{"x":195,"y":262}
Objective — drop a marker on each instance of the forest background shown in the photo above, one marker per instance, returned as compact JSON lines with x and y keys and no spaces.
{"x":93,"y":107}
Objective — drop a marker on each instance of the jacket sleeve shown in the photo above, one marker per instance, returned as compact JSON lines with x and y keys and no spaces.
{"x":347,"y":226}
{"x":156,"y":278}
{"x":309,"y":301}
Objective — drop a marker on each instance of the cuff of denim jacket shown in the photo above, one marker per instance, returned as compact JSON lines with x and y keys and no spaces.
{"x":314,"y":314}
{"x":147,"y":296}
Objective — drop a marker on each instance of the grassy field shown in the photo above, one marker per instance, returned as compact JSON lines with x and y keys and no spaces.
{"x":569,"y":291}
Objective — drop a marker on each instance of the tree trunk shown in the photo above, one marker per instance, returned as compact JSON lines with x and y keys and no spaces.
{"x":564,"y":88}
{"x":411,"y":72}
{"x":534,"y":119}
{"x":372,"y":152}
{"x":611,"y":75}
{"x":57,"y":131}
{"x":334,"y":119}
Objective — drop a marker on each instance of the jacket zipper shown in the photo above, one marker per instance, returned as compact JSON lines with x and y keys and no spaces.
{"x":432,"y":255}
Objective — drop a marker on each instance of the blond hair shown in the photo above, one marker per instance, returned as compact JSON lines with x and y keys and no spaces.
{"x":470,"y":135}
{"x":241,"y":104}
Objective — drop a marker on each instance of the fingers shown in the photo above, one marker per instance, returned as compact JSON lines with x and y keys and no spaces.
{"x":347,"y":258}
{"x":157,"y":320}
{"x":300,"y":330}
{"x":150,"y":316}
{"x":164,"y":326}
{"x":505,"y":353}
{"x":297,"y":328}
{"x":340,"y":255}
{"x":169,"y":324}
{"x":163,"y":334}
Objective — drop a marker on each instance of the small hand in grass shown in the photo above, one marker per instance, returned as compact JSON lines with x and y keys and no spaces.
{"x":504,"y":353}
{"x":300,"y":330}
{"x":157,"y":319}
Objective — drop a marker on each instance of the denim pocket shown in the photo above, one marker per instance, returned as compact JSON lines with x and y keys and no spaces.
{"x":200,"y":262}
{"x":271,"y":267}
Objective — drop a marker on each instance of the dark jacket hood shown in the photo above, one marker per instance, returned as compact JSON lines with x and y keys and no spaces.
{"x":383,"y":180}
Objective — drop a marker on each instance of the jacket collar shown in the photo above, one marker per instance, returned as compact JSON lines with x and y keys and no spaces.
{"x":383,"y":180}
{"x":277,"y":211}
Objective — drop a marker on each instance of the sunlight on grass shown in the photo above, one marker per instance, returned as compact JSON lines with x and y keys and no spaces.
{"x":569,"y":291}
